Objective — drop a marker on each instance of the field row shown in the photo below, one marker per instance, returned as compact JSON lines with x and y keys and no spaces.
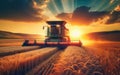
{"x":5,"y":51}
{"x":109,"y":58}
{"x":19,"y":64}
{"x":45,"y":68}
{"x":77,"y":61}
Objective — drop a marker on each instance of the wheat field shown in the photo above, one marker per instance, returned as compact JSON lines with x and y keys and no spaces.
{"x":101,"y":58}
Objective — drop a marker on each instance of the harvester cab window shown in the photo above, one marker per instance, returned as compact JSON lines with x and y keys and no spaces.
{"x":59,"y":29}
{"x":55,"y":30}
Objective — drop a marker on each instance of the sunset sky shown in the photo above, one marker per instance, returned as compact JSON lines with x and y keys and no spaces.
{"x":29,"y":16}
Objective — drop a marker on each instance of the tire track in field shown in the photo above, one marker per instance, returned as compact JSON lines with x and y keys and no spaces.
{"x":45,"y":68}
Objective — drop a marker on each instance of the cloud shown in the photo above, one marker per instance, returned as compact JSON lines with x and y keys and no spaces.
{"x":111,"y":18}
{"x":117,"y":8}
{"x":82,"y":16}
{"x":114,"y":17}
{"x":101,"y":21}
{"x":42,"y":3}
{"x":21,"y":10}
{"x":65,"y":16}
{"x":111,"y":1}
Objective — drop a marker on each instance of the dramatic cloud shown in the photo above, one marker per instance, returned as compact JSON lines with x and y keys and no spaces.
{"x":65,"y":16}
{"x":111,"y":18}
{"x":101,"y":21}
{"x":82,"y":16}
{"x":33,"y":10}
{"x":21,"y":10}
{"x":114,"y":17}
{"x":117,"y":8}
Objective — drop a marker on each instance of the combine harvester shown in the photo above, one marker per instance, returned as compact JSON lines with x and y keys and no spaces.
{"x":57,"y":36}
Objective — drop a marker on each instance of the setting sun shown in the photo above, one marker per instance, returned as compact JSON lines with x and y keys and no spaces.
{"x":75,"y":33}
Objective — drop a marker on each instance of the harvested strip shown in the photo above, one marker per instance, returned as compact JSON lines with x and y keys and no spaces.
{"x":45,"y":68}
{"x":19,"y":64}
{"x":15,"y":49}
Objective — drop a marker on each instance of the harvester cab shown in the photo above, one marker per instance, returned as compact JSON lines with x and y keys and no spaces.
{"x":57,"y":35}
{"x":57,"y":32}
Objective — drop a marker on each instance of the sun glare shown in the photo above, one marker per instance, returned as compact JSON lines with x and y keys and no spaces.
{"x":75,"y":33}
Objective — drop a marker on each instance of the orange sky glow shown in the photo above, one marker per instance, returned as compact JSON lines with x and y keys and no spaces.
{"x":36,"y":27}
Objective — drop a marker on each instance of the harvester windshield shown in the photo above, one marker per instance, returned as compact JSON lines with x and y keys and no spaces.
{"x":54,"y":31}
